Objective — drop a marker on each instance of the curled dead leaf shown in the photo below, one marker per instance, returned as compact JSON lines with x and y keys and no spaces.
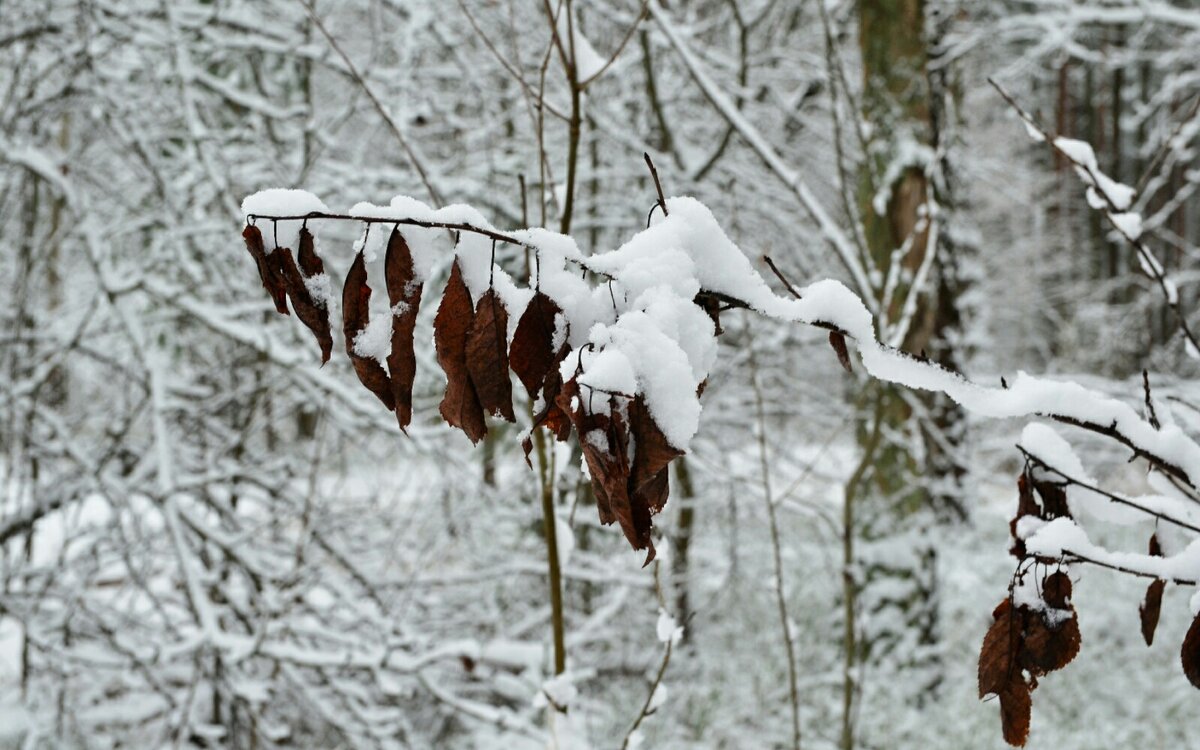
{"x":314,"y":316}
{"x":1056,"y":590}
{"x":356,"y":298}
{"x":1050,"y":641}
{"x":460,"y":404}
{"x":404,"y":296}
{"x":1016,"y":708}
{"x":268,"y":267}
{"x":532,"y":354}
{"x":1026,"y":506}
{"x":998,"y":655}
{"x":1054,"y":500}
{"x":487,"y":356}
{"x":649,"y":481}
{"x":1150,"y":608}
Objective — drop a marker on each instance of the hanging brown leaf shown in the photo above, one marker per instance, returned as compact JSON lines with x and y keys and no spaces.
{"x":551,"y":415}
{"x":998,"y":656}
{"x":315,"y":317}
{"x":838,"y":342}
{"x":649,"y":482}
{"x":1190,"y":653}
{"x":1016,"y":706}
{"x":404,"y":295}
{"x":1050,"y":641}
{"x":532,"y":352}
{"x":356,"y":298}
{"x":460,"y":405}
{"x":604,"y":440}
{"x":310,"y":262}
{"x":1056,"y":590}
{"x":487,"y":356}
{"x":268,"y":267}
{"x":1151,"y":606}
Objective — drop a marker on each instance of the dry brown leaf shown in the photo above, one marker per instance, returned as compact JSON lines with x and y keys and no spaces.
{"x":649,"y":483}
{"x":1190,"y":653}
{"x":310,"y":262}
{"x":1150,"y":608}
{"x":1016,"y":706}
{"x":604,"y":440}
{"x":998,"y":656}
{"x":460,"y":405}
{"x":532,"y":353}
{"x":838,"y":342}
{"x":356,"y":299}
{"x":551,"y":415}
{"x":404,"y":296}
{"x":1056,"y":590}
{"x":268,"y":267}
{"x":315,"y":317}
{"x":1048,"y":646}
{"x":487,"y":356}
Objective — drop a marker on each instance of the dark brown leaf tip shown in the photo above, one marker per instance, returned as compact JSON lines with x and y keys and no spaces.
{"x":838,"y":341}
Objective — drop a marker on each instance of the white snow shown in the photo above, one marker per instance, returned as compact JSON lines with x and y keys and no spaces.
{"x":283,"y":202}
{"x":666,"y":629}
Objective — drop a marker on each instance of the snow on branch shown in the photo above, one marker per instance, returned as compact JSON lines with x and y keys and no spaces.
{"x":642,"y":310}
{"x":1114,"y":200}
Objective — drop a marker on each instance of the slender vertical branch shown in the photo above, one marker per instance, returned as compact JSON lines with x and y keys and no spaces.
{"x":777,"y":557}
{"x":849,"y":583}
{"x":550,"y":529}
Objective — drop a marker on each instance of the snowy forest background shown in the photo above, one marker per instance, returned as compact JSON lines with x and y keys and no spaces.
{"x":209,"y":540}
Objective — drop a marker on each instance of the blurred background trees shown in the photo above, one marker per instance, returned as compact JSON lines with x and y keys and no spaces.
{"x":209,"y":540}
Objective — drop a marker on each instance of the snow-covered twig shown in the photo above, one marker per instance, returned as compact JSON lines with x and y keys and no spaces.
{"x":1114,"y":203}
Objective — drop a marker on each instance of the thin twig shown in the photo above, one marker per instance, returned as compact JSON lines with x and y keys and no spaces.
{"x":1150,"y":402}
{"x":620,"y":47}
{"x":662,"y":201}
{"x":1128,"y":502}
{"x":662,"y":670}
{"x":779,"y":275}
{"x":409,"y":151}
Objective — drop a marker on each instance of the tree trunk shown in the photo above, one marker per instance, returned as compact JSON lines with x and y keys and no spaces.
{"x":911,"y":483}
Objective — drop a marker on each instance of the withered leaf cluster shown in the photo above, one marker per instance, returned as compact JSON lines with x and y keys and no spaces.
{"x":1027,"y":642}
{"x":627,"y":457}
{"x":626,"y":452}
{"x":284,"y":280}
{"x":1024,"y":644}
